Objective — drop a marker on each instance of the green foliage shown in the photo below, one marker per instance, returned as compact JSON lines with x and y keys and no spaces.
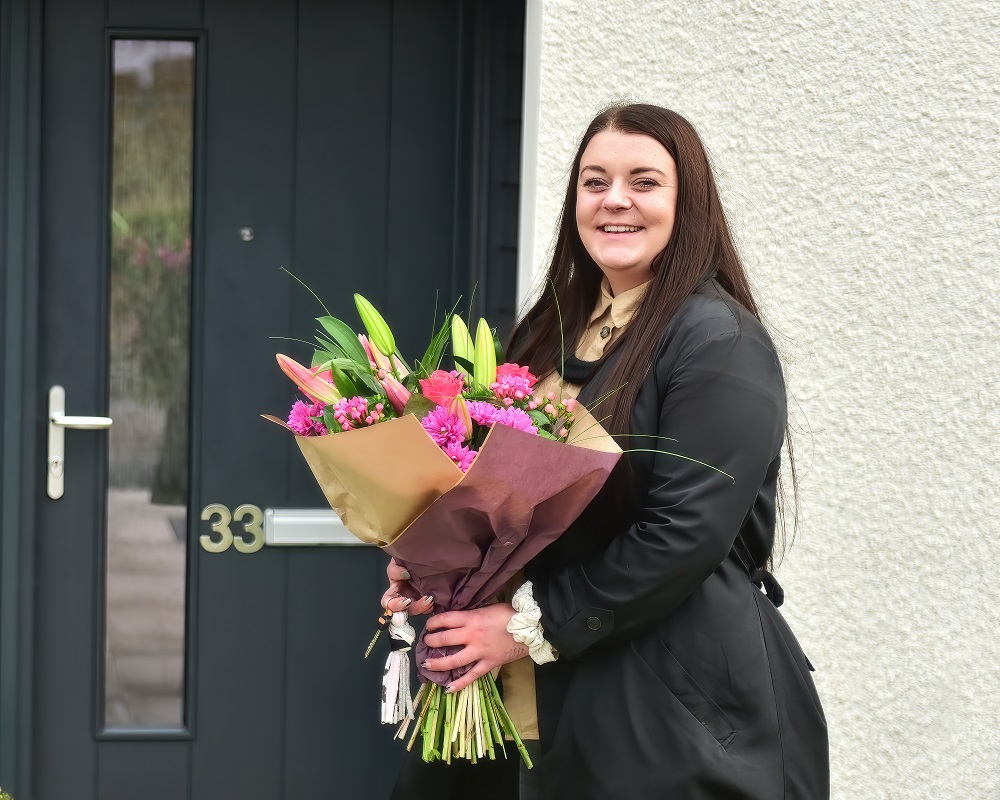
{"x":435,"y":350}
{"x":151,"y":236}
{"x":4,"y":795}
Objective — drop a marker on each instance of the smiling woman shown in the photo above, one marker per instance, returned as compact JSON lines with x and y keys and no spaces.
{"x":676,"y":675}
{"x":625,"y":205}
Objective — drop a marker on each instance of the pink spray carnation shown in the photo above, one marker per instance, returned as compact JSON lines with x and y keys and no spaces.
{"x":444,"y":427}
{"x":300,"y":419}
{"x":514,"y":370}
{"x":461,"y":455}
{"x":513,"y":382}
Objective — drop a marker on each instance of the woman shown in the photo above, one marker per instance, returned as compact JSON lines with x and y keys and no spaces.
{"x":676,"y":676}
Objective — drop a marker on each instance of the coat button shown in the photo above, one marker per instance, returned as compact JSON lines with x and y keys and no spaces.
{"x":605,"y":332}
{"x":594,"y":623}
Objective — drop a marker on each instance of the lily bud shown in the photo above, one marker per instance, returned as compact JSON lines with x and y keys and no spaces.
{"x":376,"y":357}
{"x":397,"y":393}
{"x":461,"y":343}
{"x":308,"y":380}
{"x":485,"y":361}
{"x":460,"y":409}
{"x":378,"y":331}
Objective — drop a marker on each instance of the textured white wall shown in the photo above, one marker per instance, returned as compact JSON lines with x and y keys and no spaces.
{"x":857,"y":148}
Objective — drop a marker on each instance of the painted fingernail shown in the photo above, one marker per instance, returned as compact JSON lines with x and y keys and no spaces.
{"x":429,"y":599}
{"x":449,"y":689}
{"x":407,"y":601}
{"x":405,"y":575}
{"x":426,"y":664}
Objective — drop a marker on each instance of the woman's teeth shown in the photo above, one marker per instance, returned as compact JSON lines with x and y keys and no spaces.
{"x":620,"y":228}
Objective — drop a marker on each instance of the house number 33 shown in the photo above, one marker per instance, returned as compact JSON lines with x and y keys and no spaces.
{"x":248,"y":540}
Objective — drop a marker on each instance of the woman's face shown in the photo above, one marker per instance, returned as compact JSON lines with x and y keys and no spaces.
{"x":625,"y":203}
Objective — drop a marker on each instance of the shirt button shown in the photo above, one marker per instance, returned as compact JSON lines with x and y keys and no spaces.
{"x":605,"y":332}
{"x":594,"y":623}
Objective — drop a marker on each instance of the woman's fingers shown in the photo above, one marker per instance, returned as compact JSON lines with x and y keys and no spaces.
{"x":447,"y":619}
{"x":400,"y":591}
{"x":396,"y":572}
{"x":396,"y":602}
{"x":401,"y":597}
{"x":425,"y":605}
{"x":462,"y":658}
{"x":477,"y":671}
{"x":453,"y":637}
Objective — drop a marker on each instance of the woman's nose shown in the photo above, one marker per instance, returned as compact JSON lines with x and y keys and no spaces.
{"x":617,"y":197}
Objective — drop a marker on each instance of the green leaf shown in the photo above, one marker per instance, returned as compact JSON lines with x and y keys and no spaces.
{"x":343,"y":382}
{"x":464,"y":364}
{"x":540,"y":418}
{"x":498,"y":345}
{"x":435,"y":350}
{"x":419,"y":406}
{"x":335,"y":349}
{"x":547,"y":435}
{"x":360,"y":375}
{"x":345,"y":337}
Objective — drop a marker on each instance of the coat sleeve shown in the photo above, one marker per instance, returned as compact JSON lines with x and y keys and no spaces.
{"x":724,"y":405}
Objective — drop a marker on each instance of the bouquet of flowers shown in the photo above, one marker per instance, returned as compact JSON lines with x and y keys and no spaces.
{"x":462,"y":475}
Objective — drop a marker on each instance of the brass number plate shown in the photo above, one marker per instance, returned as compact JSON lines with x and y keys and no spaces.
{"x":248,"y":540}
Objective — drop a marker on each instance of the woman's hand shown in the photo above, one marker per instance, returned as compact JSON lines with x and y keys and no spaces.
{"x":400,"y":595}
{"x":482,"y":635}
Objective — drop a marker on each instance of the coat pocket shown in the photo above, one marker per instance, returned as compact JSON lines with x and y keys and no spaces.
{"x":687,"y":690}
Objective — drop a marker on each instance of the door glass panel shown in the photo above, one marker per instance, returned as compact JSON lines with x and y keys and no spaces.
{"x":150,"y":321}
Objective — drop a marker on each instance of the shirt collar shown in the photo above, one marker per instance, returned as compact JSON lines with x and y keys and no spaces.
{"x":622,"y":306}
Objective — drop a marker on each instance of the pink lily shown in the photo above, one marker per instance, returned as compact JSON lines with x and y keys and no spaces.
{"x":374,"y":356}
{"x":311,"y":382}
{"x":396,"y":392}
{"x":460,"y":409}
{"x":380,"y":361}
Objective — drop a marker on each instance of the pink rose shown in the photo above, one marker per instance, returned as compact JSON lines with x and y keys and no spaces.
{"x":442,"y":387}
{"x":516,"y":371}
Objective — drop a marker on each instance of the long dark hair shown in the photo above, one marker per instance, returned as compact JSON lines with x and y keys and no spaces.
{"x":700,"y":244}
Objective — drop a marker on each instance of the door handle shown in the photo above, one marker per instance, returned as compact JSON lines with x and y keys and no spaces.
{"x":58,"y":422}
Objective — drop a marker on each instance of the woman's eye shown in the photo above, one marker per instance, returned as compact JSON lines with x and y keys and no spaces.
{"x":645,"y":183}
{"x":593,"y":183}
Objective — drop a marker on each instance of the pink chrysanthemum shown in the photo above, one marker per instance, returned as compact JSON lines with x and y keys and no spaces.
{"x":444,"y":428}
{"x":514,"y":418}
{"x":300,"y":419}
{"x":511,"y":387}
{"x":354,"y":413}
{"x":481,"y":412}
{"x":461,"y":455}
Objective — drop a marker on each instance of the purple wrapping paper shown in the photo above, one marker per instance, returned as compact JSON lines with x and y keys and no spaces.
{"x":521,"y":493}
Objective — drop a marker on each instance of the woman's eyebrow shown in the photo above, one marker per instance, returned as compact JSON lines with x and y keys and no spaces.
{"x":636,"y":171}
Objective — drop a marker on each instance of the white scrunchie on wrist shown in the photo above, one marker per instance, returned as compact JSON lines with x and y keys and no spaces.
{"x":526,"y":626}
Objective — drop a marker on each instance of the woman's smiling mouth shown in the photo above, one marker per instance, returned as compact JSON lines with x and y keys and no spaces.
{"x":620,"y":228}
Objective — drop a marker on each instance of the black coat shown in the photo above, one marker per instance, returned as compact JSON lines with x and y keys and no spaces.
{"x":678,"y":678}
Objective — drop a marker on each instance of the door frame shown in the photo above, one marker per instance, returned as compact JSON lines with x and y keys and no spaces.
{"x":21,"y":466}
{"x":20,"y":123}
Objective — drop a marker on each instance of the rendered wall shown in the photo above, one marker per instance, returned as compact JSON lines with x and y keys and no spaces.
{"x":857,"y":147}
